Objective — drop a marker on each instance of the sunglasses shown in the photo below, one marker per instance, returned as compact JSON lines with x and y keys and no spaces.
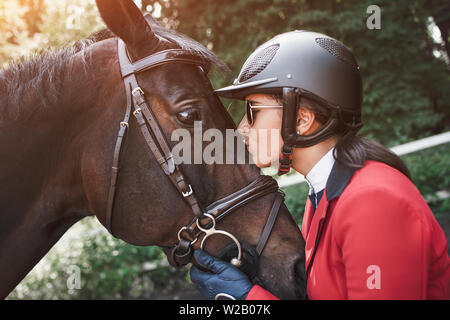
{"x":250,"y":113}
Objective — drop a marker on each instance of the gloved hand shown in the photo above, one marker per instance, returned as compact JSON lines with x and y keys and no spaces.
{"x":222,"y":278}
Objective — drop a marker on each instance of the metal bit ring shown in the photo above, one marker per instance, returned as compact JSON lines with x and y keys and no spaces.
{"x":185,"y":229}
{"x":237,"y":261}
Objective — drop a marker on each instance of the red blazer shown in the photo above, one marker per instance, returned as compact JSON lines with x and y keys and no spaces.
{"x":373,"y":237}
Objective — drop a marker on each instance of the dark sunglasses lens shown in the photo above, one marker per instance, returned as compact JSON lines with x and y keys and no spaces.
{"x":249,"y":114}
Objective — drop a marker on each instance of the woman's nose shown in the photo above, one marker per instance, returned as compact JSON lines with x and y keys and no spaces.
{"x":244,"y":127}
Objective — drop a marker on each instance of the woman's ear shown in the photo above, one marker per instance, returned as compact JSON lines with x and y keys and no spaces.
{"x":306,"y":123}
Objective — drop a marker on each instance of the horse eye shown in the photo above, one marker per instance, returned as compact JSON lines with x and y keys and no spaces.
{"x":188,"y":116}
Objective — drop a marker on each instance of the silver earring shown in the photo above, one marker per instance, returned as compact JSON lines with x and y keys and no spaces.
{"x":298,"y":132}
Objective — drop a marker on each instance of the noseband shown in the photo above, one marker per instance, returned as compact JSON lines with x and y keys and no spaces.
{"x":204,"y":221}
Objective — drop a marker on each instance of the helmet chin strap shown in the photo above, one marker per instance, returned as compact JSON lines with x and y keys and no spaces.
{"x":291,"y":138}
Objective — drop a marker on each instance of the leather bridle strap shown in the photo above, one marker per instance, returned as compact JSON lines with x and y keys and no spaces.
{"x":181,"y":253}
{"x":260,"y":187}
{"x":155,"y":138}
{"x":115,"y":166}
{"x":163,"y":57}
{"x":270,"y":223}
{"x":145,"y":117}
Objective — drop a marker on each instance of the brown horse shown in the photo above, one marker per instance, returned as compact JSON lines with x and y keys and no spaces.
{"x":59,"y":116}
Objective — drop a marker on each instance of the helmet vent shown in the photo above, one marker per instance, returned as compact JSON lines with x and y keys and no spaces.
{"x":258,"y":63}
{"x":337,"y":50}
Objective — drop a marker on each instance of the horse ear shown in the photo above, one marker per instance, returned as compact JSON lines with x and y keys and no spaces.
{"x":126,"y":21}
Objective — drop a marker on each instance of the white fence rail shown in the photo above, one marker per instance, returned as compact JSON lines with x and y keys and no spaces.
{"x":400,"y":150}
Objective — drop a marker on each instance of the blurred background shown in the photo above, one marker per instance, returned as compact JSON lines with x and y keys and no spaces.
{"x":405,"y":68}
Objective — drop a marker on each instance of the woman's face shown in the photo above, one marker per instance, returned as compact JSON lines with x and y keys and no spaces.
{"x":263,"y":138}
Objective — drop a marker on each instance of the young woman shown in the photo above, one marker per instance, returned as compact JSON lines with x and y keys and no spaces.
{"x":369,"y":233}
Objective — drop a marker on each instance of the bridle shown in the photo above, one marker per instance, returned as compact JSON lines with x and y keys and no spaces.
{"x":204,"y":220}
{"x":181,"y":253}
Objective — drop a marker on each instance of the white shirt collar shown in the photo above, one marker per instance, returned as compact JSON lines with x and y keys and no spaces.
{"x":317,"y":177}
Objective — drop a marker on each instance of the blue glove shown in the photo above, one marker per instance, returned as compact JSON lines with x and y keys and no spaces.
{"x":223,"y":277}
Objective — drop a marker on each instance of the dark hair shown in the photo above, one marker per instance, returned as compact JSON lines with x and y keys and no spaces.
{"x":351,"y":149}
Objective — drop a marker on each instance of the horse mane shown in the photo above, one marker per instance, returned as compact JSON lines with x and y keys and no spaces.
{"x":44,"y":70}
{"x":40,"y":72}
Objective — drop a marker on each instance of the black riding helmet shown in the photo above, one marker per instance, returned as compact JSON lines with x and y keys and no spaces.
{"x":309,"y":64}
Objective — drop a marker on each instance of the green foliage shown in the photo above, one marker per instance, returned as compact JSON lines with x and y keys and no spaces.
{"x":65,"y":22}
{"x":430,"y":172}
{"x":295,"y":200}
{"x":13,"y":31}
{"x":29,"y":25}
{"x":110,"y":269}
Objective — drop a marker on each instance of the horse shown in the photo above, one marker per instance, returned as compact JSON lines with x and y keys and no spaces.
{"x":60,"y":112}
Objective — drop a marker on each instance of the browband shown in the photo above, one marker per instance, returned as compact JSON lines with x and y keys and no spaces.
{"x":162,"y":57}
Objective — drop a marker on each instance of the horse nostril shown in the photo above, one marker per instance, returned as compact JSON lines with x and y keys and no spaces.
{"x":300,"y":278}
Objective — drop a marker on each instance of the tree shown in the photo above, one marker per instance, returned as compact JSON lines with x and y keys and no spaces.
{"x":12,"y":28}
{"x":440,"y":11}
{"x":27,"y":26}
